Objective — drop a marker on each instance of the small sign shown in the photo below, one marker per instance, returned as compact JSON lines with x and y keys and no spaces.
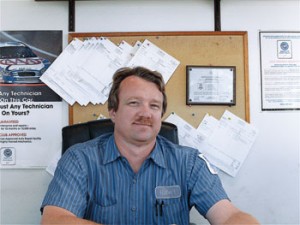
{"x":8,"y":156}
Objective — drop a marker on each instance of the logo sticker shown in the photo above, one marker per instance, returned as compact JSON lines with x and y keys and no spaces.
{"x":8,"y":156}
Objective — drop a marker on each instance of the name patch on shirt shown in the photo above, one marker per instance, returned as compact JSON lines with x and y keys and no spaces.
{"x":166,"y":192}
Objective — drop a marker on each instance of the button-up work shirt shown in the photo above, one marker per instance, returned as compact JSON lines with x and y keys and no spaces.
{"x":95,"y":182}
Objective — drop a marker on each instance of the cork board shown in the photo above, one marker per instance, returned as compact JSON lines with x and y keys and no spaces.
{"x":190,"y":48}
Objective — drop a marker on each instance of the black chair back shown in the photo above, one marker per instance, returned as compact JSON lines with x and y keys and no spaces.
{"x":82,"y":132}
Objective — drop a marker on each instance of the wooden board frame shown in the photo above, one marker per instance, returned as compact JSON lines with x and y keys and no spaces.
{"x":197,"y":48}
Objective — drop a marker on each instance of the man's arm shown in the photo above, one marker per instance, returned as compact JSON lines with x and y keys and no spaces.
{"x":57,"y":215}
{"x":224,"y":212}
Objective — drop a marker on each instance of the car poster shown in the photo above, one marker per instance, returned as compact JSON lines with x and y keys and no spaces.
{"x":31,"y":113}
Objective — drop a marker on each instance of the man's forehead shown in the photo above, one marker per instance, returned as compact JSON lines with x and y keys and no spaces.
{"x":130,"y":89}
{"x":134,"y":81}
{"x":133,"y":78}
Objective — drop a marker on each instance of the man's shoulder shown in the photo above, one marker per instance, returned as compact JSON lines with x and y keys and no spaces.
{"x":87,"y":154}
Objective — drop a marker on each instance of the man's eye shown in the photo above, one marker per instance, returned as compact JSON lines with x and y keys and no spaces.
{"x":154,"y":106}
{"x":133,"y":103}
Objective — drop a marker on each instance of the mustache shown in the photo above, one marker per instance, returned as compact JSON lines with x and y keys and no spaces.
{"x":144,"y":121}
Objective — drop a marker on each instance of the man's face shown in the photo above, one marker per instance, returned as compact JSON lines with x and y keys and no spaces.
{"x":138,"y":118}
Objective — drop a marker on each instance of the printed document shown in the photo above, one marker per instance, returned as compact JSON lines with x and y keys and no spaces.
{"x":229,"y":144}
{"x":225,"y":142}
{"x":54,"y":75}
{"x":154,"y":58}
{"x":187,"y":134}
{"x":83,"y":72}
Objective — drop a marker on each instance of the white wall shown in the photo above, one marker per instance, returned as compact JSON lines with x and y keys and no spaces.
{"x":268,"y":184}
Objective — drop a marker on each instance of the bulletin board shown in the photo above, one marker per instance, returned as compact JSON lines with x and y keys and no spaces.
{"x":190,"y":48}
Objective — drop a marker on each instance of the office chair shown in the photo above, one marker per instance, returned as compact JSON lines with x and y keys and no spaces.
{"x":82,"y":132}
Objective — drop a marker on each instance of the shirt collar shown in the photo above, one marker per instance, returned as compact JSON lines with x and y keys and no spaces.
{"x":157,"y":155}
{"x":112,"y":153}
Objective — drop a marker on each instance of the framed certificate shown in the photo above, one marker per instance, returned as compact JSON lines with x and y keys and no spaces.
{"x":210,"y":85}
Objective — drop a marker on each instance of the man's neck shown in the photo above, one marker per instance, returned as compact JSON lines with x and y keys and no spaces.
{"x":135,"y":153}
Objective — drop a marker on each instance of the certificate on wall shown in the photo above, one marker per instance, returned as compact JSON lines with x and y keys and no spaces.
{"x":210,"y":85}
{"x":280,"y":70}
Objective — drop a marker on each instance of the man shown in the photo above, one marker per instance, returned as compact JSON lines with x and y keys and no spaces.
{"x":134,"y":176}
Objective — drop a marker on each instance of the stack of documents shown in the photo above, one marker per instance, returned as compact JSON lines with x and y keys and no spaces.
{"x":225,"y":142}
{"x":83,"y":71}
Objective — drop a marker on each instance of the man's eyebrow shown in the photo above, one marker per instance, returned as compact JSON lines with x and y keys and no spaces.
{"x":156,"y":101}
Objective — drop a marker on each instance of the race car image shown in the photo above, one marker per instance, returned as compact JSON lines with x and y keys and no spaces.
{"x":19,"y":64}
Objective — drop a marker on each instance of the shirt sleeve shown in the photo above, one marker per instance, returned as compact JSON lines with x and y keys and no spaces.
{"x":68,"y":188}
{"x":205,"y":187}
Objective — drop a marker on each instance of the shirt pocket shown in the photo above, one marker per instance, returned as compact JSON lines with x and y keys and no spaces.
{"x":102,"y":210}
{"x":106,"y":201}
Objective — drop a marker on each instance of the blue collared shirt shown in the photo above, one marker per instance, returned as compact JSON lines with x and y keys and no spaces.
{"x":95,"y":182}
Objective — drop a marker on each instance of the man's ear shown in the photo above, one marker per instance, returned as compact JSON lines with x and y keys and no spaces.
{"x":112,"y":114}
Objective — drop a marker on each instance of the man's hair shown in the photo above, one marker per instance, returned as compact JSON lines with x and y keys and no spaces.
{"x":141,"y":72}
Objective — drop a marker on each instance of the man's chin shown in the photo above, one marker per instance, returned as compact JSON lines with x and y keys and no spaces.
{"x":144,"y":138}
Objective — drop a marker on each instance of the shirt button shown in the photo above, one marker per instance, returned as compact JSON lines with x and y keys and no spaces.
{"x":133,"y":209}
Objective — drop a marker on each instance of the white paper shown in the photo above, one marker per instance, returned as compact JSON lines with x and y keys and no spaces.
{"x":208,"y":125}
{"x":83,"y":71}
{"x":154,"y":58}
{"x":54,"y":75}
{"x":229,"y":144}
{"x":225,"y":142}
{"x":101,"y":64}
{"x":53,"y":81}
{"x":187,"y":134}
{"x":82,"y":85}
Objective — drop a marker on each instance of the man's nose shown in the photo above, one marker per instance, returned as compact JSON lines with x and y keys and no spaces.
{"x":145,"y":111}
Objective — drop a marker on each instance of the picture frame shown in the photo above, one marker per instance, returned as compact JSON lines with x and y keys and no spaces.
{"x":210,"y":85}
